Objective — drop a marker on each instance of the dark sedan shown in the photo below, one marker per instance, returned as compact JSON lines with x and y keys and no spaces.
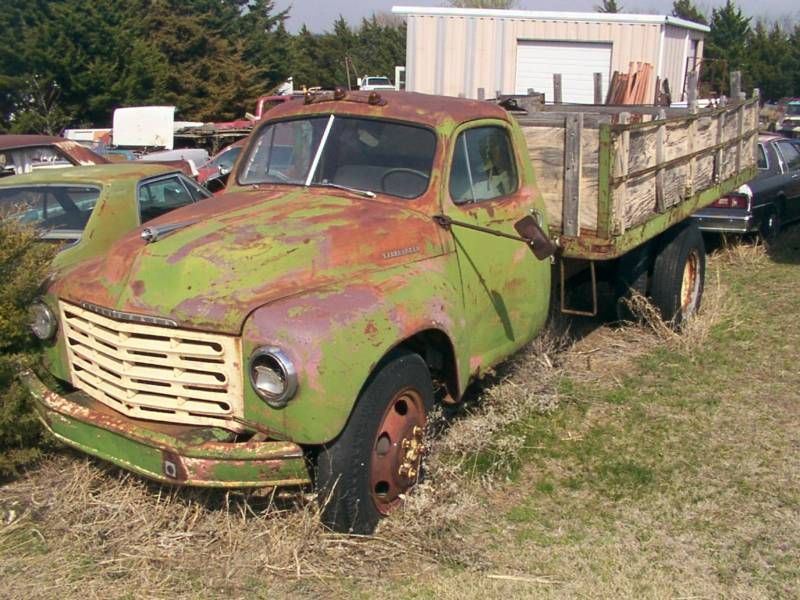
{"x":766,"y":202}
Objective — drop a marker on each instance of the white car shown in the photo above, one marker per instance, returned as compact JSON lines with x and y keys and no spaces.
{"x":369,"y":83}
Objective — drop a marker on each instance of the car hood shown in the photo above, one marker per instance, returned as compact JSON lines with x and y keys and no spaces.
{"x":243,"y":250}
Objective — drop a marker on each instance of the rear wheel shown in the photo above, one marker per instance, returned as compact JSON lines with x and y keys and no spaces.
{"x":364,"y":473}
{"x":632,"y":277}
{"x":771,"y":226}
{"x":679,"y":274}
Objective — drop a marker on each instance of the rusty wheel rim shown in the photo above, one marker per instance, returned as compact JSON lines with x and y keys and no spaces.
{"x":397,"y":450}
{"x":690,"y":282}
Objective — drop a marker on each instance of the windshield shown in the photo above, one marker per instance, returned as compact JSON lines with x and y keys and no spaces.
{"x":25,"y":160}
{"x":366,"y":154}
{"x":793,"y":110}
{"x":53,"y":208}
{"x":225,"y":159}
{"x":378,"y":81}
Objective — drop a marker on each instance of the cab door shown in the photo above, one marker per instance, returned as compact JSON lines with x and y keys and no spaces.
{"x":505,"y":289}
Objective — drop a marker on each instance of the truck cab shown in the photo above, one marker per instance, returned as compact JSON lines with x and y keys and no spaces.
{"x":362,"y":265}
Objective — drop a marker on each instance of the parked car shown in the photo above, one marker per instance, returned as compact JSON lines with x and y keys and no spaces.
{"x":369,"y":83}
{"x":222,"y":162}
{"x":90,"y":207}
{"x":765,"y":203}
{"x":790,"y":121}
{"x":25,"y":153}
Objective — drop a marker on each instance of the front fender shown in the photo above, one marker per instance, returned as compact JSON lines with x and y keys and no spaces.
{"x":337,"y":336}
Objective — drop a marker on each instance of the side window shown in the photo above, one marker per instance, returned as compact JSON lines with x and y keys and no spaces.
{"x":198,"y":192}
{"x":161,"y":196}
{"x":483,"y":166}
{"x":790,"y":155}
{"x":762,"y":158}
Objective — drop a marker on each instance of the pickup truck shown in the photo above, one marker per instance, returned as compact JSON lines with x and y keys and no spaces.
{"x":371,"y":257}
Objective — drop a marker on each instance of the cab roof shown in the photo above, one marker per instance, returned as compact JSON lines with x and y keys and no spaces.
{"x":94,"y":174}
{"x":422,"y":109}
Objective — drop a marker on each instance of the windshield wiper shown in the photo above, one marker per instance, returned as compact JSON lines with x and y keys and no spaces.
{"x":338,"y":186}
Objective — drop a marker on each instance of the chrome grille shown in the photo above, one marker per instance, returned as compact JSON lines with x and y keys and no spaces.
{"x":151,"y":372}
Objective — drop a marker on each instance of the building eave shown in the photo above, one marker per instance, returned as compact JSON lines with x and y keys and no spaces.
{"x":592,"y":17}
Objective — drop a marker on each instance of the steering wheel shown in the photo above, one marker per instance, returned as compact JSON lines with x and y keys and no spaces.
{"x":423,"y":180}
{"x":279,"y":175}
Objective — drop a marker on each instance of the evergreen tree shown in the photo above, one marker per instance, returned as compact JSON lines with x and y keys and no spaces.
{"x":304,"y":59}
{"x":726,"y":46}
{"x":609,"y":6}
{"x":769,"y":62}
{"x":685,"y":9}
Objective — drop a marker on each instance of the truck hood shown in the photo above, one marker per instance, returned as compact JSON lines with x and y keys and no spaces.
{"x":237,"y":252}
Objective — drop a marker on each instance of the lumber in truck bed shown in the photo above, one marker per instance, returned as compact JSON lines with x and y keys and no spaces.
{"x":613,"y":177}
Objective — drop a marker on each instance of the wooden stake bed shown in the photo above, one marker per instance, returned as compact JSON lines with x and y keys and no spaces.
{"x":614,"y":176}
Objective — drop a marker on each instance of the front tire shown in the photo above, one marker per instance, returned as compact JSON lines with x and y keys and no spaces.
{"x":364,"y":473}
{"x":679,"y":274}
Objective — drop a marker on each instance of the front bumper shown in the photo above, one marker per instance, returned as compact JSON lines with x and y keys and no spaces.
{"x":176,"y":454}
{"x":725,"y":220}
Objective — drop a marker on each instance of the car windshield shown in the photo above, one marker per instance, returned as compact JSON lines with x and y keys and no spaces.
{"x":225,"y":159}
{"x":366,"y":154}
{"x":25,"y":160}
{"x":52,"y":208}
{"x":793,"y":109}
{"x":378,"y":81}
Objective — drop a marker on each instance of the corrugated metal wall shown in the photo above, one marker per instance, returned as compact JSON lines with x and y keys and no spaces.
{"x":455,"y":55}
{"x":677,"y":49}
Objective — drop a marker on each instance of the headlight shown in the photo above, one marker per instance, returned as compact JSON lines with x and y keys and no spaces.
{"x":42,"y":320}
{"x":273,"y":376}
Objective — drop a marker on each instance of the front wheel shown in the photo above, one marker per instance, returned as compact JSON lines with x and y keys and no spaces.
{"x":364,"y":473}
{"x":679,"y":274}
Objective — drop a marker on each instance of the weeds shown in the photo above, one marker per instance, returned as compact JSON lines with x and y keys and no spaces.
{"x":636,"y":472}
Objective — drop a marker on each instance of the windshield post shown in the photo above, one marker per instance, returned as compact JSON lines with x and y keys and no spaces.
{"x":317,"y":156}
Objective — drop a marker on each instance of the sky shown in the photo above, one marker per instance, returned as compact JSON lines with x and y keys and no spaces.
{"x":319,"y":16}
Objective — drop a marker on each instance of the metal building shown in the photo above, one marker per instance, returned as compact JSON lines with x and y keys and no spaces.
{"x":455,"y":51}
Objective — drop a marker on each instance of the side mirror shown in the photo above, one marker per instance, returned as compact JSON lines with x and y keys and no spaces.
{"x":529,"y":230}
{"x":217,"y":182}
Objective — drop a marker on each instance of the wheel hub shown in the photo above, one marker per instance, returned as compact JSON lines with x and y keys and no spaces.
{"x":690,"y":283}
{"x":398,"y":450}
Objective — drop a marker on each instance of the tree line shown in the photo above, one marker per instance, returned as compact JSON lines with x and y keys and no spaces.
{"x":70,"y":63}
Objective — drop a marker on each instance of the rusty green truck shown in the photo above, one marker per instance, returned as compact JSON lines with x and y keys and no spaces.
{"x":370,"y":257}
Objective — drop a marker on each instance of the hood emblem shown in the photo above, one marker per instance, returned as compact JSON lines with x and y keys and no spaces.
{"x":401,"y":252}
{"x":157,"y":232}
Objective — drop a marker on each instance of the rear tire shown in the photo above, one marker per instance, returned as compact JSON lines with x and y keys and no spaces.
{"x":633,"y":274}
{"x":679,"y":274}
{"x":771,"y":226}
{"x":364,"y":473}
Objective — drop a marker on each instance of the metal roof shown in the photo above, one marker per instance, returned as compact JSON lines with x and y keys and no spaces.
{"x":541,"y":15}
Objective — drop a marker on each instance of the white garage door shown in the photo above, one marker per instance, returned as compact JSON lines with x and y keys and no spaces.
{"x":576,"y":61}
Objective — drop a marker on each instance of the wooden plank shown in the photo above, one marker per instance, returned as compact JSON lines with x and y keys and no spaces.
{"x":736,"y":86}
{"x":720,"y":123}
{"x":691,"y":91}
{"x":660,"y":134}
{"x":538,"y":119}
{"x":598,"y":88}
{"x":572,"y":173}
{"x":621,"y":161}
{"x":546,"y":151}
{"x":740,"y":129}
{"x":557,"y":88}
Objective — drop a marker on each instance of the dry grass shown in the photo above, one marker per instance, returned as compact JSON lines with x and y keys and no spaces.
{"x":76,"y":528}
